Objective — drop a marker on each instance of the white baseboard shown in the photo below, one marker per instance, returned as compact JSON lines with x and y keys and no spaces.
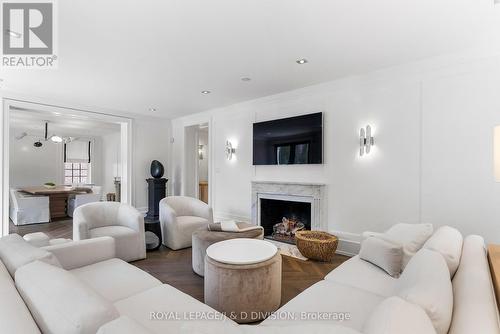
{"x":349,"y":243}
{"x":348,"y":247}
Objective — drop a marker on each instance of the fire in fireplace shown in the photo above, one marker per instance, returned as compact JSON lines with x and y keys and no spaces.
{"x":281,"y":219}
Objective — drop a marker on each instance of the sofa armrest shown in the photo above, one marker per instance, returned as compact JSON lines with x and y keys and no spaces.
{"x":81,"y":253}
{"x":167,"y":213}
{"x":80,"y":229}
{"x":201,"y":209}
{"x":130,"y":217}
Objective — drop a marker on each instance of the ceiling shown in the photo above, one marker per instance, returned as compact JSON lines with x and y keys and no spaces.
{"x":131,"y":56}
{"x":33,"y":122}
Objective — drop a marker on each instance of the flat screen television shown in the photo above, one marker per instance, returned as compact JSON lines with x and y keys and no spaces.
{"x":289,"y":141}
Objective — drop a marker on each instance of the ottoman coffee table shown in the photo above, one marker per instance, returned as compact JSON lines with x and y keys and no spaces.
{"x":243,"y":279}
{"x":203,"y":238}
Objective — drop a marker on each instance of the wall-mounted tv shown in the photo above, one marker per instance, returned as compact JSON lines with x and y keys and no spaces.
{"x":289,"y":141}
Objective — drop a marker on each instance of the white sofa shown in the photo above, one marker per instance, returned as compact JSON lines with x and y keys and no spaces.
{"x":28,"y":209}
{"x":79,"y":287}
{"x":120,"y":221}
{"x":180,"y":216}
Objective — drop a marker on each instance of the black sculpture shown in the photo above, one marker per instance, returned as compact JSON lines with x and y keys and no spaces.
{"x":156,"y":189}
{"x":157,"y":169}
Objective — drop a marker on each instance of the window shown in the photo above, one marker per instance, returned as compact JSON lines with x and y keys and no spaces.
{"x":76,"y":173}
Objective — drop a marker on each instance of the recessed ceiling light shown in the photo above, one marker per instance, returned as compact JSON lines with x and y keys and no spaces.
{"x":301,"y":61}
{"x":13,"y":33}
{"x":246,"y":79}
{"x":205,"y":92}
{"x":152,"y":109}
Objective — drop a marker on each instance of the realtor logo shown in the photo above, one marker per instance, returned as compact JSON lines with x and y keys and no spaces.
{"x":28,"y":34}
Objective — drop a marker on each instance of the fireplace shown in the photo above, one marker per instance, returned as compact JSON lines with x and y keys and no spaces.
{"x":281,"y":218}
{"x":297,"y":202}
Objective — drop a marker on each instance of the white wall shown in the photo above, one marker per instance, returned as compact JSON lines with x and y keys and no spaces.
{"x":433,"y":160}
{"x":151,"y":141}
{"x":32,"y":166}
{"x":111,"y":166}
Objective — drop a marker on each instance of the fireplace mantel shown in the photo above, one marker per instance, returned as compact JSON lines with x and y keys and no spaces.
{"x":315,"y":192}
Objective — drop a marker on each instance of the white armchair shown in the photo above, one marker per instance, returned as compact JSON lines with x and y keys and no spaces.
{"x":120,"y":221}
{"x":180,"y":216}
{"x":28,"y":209}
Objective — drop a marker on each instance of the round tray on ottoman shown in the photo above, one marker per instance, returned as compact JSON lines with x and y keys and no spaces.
{"x":317,"y":245}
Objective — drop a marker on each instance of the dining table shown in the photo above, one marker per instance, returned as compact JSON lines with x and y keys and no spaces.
{"x":58,"y":197}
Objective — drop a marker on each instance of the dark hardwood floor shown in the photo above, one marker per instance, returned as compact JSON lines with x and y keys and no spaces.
{"x":56,"y":229}
{"x":174,"y":267}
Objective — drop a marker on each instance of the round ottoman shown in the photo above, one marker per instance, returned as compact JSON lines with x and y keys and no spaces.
{"x":202,"y":238}
{"x":243,"y":279}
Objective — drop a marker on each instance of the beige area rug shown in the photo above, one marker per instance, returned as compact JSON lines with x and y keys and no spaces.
{"x":289,"y":250}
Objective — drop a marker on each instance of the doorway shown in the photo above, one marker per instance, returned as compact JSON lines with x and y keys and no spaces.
{"x":197,"y":162}
{"x":69,"y":144}
{"x":203,"y":163}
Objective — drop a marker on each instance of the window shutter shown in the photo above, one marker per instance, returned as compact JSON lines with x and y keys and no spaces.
{"x":78,"y":152}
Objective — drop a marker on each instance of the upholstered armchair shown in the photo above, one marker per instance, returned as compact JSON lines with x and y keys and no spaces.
{"x":180,"y":216}
{"x":120,"y":221}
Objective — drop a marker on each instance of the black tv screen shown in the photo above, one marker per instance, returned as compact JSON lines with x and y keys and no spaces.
{"x":289,"y":141}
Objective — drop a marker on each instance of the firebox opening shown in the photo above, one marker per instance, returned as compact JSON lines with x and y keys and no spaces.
{"x":281,"y":218}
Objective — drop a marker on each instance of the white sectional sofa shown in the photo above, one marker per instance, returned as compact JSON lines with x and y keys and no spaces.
{"x":80,"y":287}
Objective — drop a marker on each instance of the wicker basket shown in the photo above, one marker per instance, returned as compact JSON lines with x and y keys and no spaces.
{"x":317,"y":245}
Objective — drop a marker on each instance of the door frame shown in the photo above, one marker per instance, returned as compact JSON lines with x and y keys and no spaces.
{"x":126,"y":135}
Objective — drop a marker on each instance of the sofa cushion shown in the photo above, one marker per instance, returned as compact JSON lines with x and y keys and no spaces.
{"x":115,"y":279}
{"x":341,"y":305}
{"x":474,"y":308}
{"x":14,"y":315}
{"x":363,"y":275}
{"x":411,"y":236}
{"x":123,"y":325}
{"x":191,"y":221}
{"x":448,"y":242}
{"x":111,"y":231}
{"x":59,"y":302}
{"x":165,"y":309}
{"x":386,"y":254}
{"x":37,"y":239}
{"x":15,"y":252}
{"x":396,"y":316}
{"x":426,"y":282}
{"x":298,"y":328}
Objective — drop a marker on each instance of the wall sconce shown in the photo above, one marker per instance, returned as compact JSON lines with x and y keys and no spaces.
{"x":200,"y":152}
{"x":230,"y":150}
{"x":366,"y":140}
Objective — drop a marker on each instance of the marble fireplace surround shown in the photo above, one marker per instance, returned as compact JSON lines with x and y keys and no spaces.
{"x":314,"y":193}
